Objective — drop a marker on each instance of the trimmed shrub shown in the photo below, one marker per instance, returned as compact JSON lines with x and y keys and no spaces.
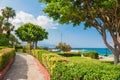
{"x":5,"y":56}
{"x":70,"y":54}
{"x":38,"y":54}
{"x":50,"y":60}
{"x":93,"y":55}
{"x":60,"y":68}
{"x":19,"y":48}
{"x":85,"y":71}
{"x":4,"y":41}
{"x":27,"y":49}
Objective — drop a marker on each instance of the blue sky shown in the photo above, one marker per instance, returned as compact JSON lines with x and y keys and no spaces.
{"x":31,"y":10}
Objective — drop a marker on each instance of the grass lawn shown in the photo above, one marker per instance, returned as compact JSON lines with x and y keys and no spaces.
{"x":78,"y":59}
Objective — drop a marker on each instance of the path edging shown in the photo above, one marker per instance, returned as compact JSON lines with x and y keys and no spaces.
{"x":43,"y":70}
{"x":5,"y":70}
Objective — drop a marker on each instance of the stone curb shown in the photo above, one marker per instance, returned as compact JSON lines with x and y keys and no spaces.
{"x":42,"y":68}
{"x":5,"y":70}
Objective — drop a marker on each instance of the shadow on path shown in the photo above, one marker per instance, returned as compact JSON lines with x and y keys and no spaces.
{"x":19,"y":68}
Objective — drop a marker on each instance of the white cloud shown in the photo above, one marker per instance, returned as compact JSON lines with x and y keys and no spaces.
{"x":41,"y":20}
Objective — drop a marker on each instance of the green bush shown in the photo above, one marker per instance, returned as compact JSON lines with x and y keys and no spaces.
{"x":85,"y":71}
{"x":60,"y":68}
{"x":27,"y":49}
{"x":93,"y":55}
{"x":5,"y":56}
{"x":19,"y":48}
{"x":4,"y":42}
{"x":70,"y":54}
{"x":38,"y":54}
{"x":50,"y":60}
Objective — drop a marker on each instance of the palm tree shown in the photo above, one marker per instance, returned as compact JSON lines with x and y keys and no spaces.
{"x":8,"y":12}
{"x":1,"y":23}
{"x":8,"y":27}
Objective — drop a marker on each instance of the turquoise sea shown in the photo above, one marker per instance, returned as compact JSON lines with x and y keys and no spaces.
{"x":101,"y":51}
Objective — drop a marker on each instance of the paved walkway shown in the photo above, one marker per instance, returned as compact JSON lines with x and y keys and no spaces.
{"x":24,"y":68}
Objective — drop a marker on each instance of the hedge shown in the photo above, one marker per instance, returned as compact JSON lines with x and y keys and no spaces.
{"x":50,"y":60}
{"x":93,"y":55}
{"x":85,"y":71}
{"x":5,"y":56}
{"x":19,"y":48}
{"x":38,"y":54}
{"x":60,"y":68}
{"x":69,"y":54}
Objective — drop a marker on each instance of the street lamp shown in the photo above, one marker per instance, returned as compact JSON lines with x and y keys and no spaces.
{"x":61,"y":36}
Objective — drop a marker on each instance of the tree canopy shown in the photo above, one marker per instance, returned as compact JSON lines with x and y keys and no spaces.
{"x":5,"y":25}
{"x":31,"y":33}
{"x":103,"y":15}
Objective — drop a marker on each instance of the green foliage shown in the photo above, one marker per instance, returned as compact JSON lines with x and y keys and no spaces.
{"x":4,"y":41}
{"x":31,"y":33}
{"x":39,"y":47}
{"x":13,"y":40}
{"x":63,"y":46}
{"x":38,"y":54}
{"x":5,"y":25}
{"x":85,"y":71}
{"x":69,"y":54}
{"x":62,"y":68}
{"x":5,"y":56}
{"x":103,"y":15}
{"x":19,"y":48}
{"x":27,"y":49}
{"x":50,"y":60}
{"x":77,"y":11}
{"x":93,"y":55}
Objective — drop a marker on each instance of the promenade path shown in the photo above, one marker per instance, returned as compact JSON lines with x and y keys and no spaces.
{"x":24,"y":68}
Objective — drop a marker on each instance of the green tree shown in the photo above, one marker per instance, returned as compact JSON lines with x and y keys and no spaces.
{"x":103,"y":15}
{"x":13,"y":40}
{"x":31,"y":33}
{"x":8,"y":13}
{"x":1,"y":23}
{"x":3,"y":40}
{"x":63,"y":47}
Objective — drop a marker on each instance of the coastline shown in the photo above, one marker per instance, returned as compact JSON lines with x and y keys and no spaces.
{"x":102,"y":56}
{"x":106,"y":58}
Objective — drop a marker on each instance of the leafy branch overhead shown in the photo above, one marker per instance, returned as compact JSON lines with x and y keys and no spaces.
{"x":103,"y":15}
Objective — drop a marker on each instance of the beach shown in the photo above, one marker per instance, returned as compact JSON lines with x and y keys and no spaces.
{"x":106,"y":58}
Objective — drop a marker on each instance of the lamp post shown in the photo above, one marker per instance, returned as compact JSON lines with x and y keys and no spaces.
{"x":61,"y":37}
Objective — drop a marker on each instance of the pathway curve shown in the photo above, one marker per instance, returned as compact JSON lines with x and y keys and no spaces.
{"x":24,"y":68}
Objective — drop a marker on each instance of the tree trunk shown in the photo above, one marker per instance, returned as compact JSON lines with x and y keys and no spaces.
{"x":116,"y":58}
{"x":114,"y":49}
{"x":35,"y":44}
{"x":32,"y":45}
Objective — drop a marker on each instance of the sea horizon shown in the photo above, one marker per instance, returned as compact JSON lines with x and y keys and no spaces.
{"x":101,"y":51}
